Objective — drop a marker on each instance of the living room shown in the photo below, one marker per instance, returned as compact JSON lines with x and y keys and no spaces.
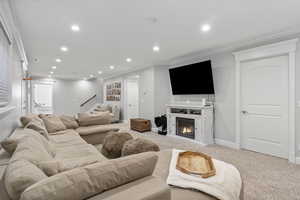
{"x":149,"y":100}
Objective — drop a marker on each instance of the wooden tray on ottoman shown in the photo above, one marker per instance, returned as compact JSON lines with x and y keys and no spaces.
{"x":196,"y":163}
{"x":140,"y":125}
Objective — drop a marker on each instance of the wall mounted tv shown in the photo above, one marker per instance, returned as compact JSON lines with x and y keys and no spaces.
{"x":192,"y":79}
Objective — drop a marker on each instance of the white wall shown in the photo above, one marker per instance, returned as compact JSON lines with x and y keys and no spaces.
{"x":10,"y":120}
{"x":146,"y":94}
{"x":69,"y":94}
{"x":162,"y":90}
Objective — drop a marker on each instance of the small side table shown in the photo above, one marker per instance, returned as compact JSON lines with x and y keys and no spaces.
{"x":140,"y":125}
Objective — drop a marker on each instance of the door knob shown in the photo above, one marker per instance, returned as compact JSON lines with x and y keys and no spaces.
{"x":244,"y":112}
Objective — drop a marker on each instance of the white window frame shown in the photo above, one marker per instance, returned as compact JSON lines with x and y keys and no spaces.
{"x":5,"y":106}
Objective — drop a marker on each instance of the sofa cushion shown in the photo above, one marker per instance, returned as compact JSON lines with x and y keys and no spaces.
{"x":148,"y":188}
{"x":113,"y":144}
{"x":38,"y":125}
{"x":98,"y":118}
{"x":76,"y":151}
{"x":84,"y":182}
{"x":31,"y":149}
{"x":53,"y":167}
{"x":69,"y":121}
{"x":9,"y":145}
{"x":53,"y":123}
{"x":96,"y":129}
{"x":19,"y":175}
{"x":27,"y":118}
{"x":66,"y":138}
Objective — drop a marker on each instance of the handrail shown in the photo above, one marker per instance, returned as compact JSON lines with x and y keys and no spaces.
{"x":88,"y":100}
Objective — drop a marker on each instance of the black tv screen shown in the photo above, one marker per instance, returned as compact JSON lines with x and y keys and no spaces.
{"x":192,"y":79}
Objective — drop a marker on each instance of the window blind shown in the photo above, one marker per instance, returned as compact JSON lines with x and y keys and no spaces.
{"x":4,"y":68}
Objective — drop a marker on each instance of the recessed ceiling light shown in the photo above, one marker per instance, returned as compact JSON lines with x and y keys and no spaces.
{"x":205,"y":27}
{"x":99,"y":72}
{"x":111,"y":67}
{"x":91,"y":75}
{"x":64,"y":48}
{"x":128,"y":60}
{"x":53,"y":67}
{"x":156,"y":48}
{"x":49,"y":76}
{"x":58,"y":60}
{"x":51,"y":72}
{"x":75,"y":28}
{"x":137,"y":76}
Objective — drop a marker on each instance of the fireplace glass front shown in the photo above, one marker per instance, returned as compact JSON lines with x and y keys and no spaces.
{"x":185,"y":127}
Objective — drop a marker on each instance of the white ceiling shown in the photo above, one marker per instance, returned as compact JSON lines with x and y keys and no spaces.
{"x":113,"y":30}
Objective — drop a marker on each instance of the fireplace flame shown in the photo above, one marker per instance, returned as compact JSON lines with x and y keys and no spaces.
{"x":187,"y":130}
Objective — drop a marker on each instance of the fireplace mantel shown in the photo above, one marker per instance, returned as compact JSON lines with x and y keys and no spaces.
{"x":203,"y":116}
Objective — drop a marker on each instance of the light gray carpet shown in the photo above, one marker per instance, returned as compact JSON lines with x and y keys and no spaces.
{"x":264,"y":177}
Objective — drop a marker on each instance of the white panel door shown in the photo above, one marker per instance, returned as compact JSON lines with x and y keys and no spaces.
{"x":132,"y":99}
{"x":264,"y":106}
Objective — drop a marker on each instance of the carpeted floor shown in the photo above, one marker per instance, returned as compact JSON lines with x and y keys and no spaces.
{"x":264,"y":177}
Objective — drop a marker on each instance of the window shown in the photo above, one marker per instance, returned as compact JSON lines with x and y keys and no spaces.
{"x":5,"y":86}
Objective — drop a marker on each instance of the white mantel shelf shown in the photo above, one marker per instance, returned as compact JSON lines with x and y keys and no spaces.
{"x":203,"y":121}
{"x":195,"y":106}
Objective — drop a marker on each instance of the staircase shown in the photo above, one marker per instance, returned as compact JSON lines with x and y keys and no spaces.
{"x":88,"y":104}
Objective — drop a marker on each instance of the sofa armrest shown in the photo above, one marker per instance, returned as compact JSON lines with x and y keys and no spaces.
{"x":148,"y":188}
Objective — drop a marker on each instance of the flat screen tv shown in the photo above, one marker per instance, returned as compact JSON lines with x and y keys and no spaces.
{"x":192,"y":79}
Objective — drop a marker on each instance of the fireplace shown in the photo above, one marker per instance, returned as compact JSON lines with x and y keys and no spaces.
{"x":185,"y":127}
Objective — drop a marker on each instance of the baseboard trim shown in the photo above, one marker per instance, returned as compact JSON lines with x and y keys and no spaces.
{"x":226,"y":143}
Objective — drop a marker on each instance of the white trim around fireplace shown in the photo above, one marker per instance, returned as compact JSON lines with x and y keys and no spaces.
{"x":281,"y":48}
{"x":203,"y":121}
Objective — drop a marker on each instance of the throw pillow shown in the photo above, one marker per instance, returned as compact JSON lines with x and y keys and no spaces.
{"x":113,"y":144}
{"x":39,"y":126}
{"x":104,"y":108}
{"x":27,"y":118}
{"x":69,"y":121}
{"x":53,"y":123}
{"x":138,"y":145}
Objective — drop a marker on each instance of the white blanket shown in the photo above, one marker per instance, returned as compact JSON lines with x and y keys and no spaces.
{"x":225,"y":185}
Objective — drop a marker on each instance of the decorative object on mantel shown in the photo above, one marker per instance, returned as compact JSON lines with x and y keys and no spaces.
{"x":196,"y":163}
{"x":113,"y":91}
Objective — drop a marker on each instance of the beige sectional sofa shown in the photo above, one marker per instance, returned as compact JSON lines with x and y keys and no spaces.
{"x":64,"y":165}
